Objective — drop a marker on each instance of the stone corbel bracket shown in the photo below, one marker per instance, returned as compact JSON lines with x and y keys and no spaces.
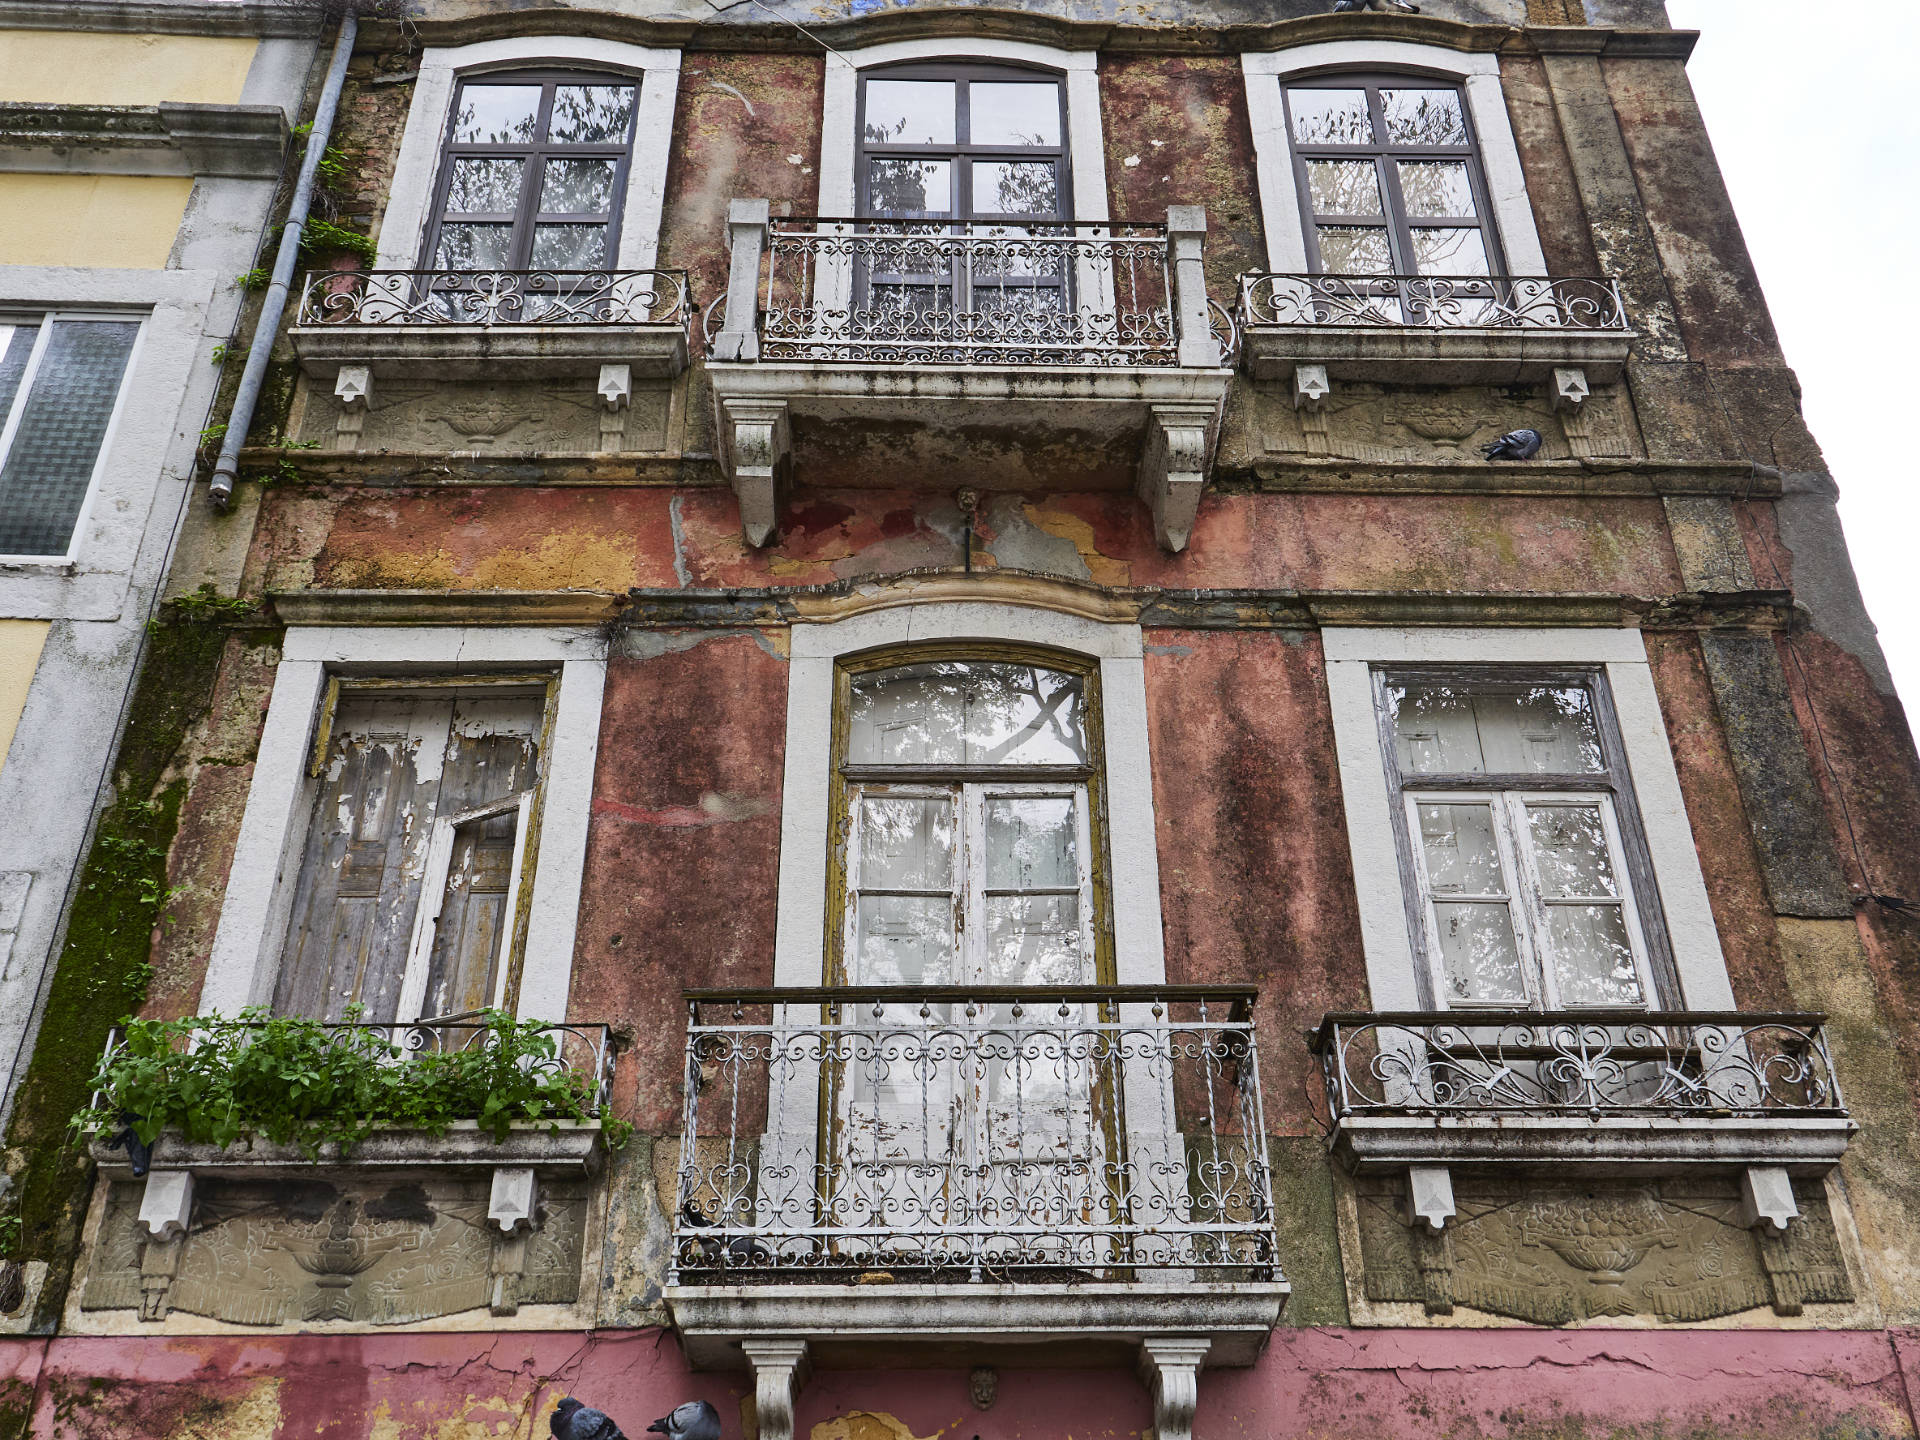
{"x":780,"y":1369}
{"x":756,"y":446}
{"x":1170,"y":1369}
{"x":1174,"y":466}
{"x":353,"y":388}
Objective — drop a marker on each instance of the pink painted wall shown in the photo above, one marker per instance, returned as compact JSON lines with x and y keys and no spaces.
{"x":1322,"y":1384}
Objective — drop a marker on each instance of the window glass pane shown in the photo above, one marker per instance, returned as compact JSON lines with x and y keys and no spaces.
{"x":1330,"y":117}
{"x":1013,"y":113}
{"x":1355,"y":250}
{"x":1030,"y":842}
{"x":1478,"y":957}
{"x":1015,"y":187}
{"x":483,"y":187}
{"x":1469,"y":730}
{"x":591,"y":114}
{"x":909,"y":187}
{"x":1592,"y":959}
{"x":1033,"y":940}
{"x":62,"y":422}
{"x":1449,"y":252}
{"x":1437,"y":187}
{"x":496,"y":115}
{"x":971,"y":712}
{"x":473,"y":247}
{"x":569,"y":247}
{"x":577,"y":187}
{"x":1570,"y":849}
{"x":904,"y":940}
{"x":906,"y":842}
{"x":1344,"y":187}
{"x":1458,"y":844}
{"x":909,"y":112}
{"x":1424,"y":117}
{"x":16,"y":347}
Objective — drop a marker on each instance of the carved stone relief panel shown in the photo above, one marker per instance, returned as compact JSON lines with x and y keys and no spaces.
{"x":1417,"y":425}
{"x":298,"y":1252}
{"x":1558,"y":1255}
{"x":563,"y":414}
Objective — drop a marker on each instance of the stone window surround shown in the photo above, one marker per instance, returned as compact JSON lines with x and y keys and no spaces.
{"x":1478,"y":74}
{"x":410,"y":199}
{"x":89,"y":582}
{"x":1086,"y":147}
{"x":1139,"y":951}
{"x":1351,"y":655}
{"x":273,"y":830}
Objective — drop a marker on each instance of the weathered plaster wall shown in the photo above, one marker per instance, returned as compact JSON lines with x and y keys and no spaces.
{"x":1325,"y":1384}
{"x":683,"y":853}
{"x":604,"y":538}
{"x":1176,"y":134}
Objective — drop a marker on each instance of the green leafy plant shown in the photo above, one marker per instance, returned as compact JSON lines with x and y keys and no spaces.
{"x":293,"y":1081}
{"x":222,"y":351}
{"x":334,"y":168}
{"x":323,"y":237}
{"x":258,"y":278}
{"x":207,"y":603}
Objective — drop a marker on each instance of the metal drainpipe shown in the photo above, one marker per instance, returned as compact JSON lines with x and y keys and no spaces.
{"x":268,"y":325}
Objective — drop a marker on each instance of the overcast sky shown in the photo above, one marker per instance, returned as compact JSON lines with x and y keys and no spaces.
{"x":1811,"y":109}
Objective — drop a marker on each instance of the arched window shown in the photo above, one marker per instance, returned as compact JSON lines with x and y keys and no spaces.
{"x":970,"y":789}
{"x":533,"y":172}
{"x":1389,"y":176}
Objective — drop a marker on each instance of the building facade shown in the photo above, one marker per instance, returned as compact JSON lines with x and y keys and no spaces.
{"x":1156,"y":717}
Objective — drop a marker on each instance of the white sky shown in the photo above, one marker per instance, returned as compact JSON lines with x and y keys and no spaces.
{"x":1811,"y":113}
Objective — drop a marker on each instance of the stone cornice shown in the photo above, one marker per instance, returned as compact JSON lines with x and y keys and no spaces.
{"x":240,"y":140}
{"x":164,"y":17}
{"x":1151,"y":606}
{"x":750,"y":28}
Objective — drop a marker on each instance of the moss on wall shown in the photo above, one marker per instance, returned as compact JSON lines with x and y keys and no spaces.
{"x":104,"y":965}
{"x":1309,"y":1233}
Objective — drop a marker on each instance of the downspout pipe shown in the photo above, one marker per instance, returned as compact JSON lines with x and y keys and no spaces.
{"x":240,"y":421}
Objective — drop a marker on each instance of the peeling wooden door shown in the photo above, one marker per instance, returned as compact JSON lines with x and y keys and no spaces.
{"x":396,"y":769}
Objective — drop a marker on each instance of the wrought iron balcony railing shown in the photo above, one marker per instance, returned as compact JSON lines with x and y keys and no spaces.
{"x":1431,"y":302}
{"x":1680,"y":1065}
{"x":495,"y":297}
{"x":946,"y":1134}
{"x":919,"y":292}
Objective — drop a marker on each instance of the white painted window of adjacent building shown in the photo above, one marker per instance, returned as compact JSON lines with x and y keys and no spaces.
{"x":408,"y":901}
{"x":1515,"y":823}
{"x":60,"y":389}
{"x":1521,"y":839}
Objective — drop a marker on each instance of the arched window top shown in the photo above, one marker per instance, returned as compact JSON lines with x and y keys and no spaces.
{"x":968,"y":713}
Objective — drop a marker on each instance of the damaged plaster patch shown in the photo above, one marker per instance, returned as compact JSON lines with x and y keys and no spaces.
{"x":681,"y":576}
{"x":652,"y":644}
{"x":716,"y":807}
{"x":1016,"y":543}
{"x":868,"y":1425}
{"x":1823,"y":578}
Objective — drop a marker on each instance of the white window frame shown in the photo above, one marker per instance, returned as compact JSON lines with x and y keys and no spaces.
{"x":1266,"y":73}
{"x":1352,"y":656}
{"x":1086,"y":144}
{"x":409,"y":211}
{"x":802,"y":918}
{"x":10,"y":423}
{"x":255,"y":913}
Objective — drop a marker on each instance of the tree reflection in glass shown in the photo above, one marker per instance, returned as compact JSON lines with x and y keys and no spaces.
{"x":968,"y":713}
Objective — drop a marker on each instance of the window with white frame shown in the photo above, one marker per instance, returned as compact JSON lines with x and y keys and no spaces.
{"x":409,"y":899}
{"x":1520,"y":839}
{"x":60,"y":385}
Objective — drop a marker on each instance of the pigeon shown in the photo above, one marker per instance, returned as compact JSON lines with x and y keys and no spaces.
{"x":574,"y":1421}
{"x":695,"y":1420}
{"x":139,"y":1154}
{"x":740,"y":1250}
{"x":1514,"y":445}
{"x":1404,"y":7}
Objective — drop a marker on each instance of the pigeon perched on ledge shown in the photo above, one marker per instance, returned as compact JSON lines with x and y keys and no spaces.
{"x":574,"y":1421}
{"x":740,"y":1250}
{"x":1404,"y":7}
{"x":695,"y":1420}
{"x":1514,"y":445}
